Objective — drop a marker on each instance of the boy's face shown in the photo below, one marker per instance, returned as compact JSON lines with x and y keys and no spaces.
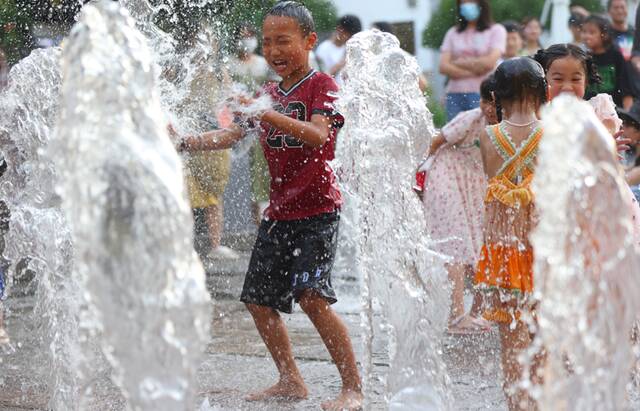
{"x":514,"y":44}
{"x":285,"y":47}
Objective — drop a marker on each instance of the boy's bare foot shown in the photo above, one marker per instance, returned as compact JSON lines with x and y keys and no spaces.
{"x":283,"y":390}
{"x":348,"y":400}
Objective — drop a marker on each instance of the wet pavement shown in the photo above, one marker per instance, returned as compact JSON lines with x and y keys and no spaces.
{"x":236,"y":361}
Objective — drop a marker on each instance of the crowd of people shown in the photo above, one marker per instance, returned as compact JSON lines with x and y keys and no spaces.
{"x":475,"y":178}
{"x":475,"y":187}
{"x":470,"y":52}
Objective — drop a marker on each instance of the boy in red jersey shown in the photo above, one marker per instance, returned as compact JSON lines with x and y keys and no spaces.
{"x":294,"y":252}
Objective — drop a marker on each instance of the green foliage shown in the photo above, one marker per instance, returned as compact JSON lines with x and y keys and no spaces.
{"x":438,"y":111}
{"x":444,"y":16}
{"x":180,"y":17}
{"x":14,"y":31}
{"x":324,"y":13}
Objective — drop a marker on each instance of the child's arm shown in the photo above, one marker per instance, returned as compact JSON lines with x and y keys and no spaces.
{"x":211,"y":140}
{"x":314,"y":133}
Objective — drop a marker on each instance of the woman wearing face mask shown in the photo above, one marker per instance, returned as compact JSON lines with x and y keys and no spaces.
{"x":470,"y":51}
{"x":247,"y":67}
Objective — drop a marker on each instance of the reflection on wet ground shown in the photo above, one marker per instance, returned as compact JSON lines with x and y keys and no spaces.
{"x":236,"y":361}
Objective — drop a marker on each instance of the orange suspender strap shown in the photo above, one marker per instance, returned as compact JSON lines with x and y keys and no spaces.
{"x":515,"y":160}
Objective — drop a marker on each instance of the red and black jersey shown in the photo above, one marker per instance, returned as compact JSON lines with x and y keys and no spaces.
{"x":302,"y":182}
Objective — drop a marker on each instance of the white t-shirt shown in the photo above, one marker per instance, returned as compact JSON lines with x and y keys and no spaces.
{"x":328,"y":54}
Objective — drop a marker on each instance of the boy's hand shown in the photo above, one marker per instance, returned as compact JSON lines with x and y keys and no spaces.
{"x":177,"y":140}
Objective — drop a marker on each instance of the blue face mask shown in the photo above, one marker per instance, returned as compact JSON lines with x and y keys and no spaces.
{"x":470,"y":11}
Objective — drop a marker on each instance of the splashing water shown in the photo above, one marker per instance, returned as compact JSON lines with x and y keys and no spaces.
{"x":122,"y":191}
{"x":388,"y":127}
{"x":586,"y":263}
{"x":38,"y":240}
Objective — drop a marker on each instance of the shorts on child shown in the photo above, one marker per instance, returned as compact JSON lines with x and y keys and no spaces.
{"x":290,"y":257}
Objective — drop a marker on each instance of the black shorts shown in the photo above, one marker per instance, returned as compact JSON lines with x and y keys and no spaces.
{"x":290,"y":257}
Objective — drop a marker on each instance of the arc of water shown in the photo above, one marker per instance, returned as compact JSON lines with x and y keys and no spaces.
{"x":586,"y":264}
{"x":122,"y":191}
{"x":387,"y":127}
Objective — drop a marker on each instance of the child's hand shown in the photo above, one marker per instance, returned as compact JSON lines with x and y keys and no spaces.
{"x":173,"y":134}
{"x":622,"y":142}
{"x":176,"y":139}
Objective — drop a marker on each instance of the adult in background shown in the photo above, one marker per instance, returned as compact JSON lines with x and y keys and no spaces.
{"x":621,"y":32}
{"x":331,"y":53}
{"x":532,"y":30}
{"x":469,"y":52}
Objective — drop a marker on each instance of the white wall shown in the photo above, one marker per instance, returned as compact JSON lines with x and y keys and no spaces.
{"x":394,"y":11}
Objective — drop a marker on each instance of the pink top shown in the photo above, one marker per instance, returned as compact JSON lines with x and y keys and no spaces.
{"x":465,"y":128}
{"x":472,"y":43}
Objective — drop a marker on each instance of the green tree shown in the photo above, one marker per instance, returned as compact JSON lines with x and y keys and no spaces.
{"x":324,"y":13}
{"x":445,"y":15}
{"x":180,"y":17}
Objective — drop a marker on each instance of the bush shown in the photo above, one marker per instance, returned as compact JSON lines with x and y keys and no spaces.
{"x":445,"y":16}
{"x":438,"y":111}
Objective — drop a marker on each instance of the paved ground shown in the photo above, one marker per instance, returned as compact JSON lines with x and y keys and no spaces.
{"x":236,"y":361}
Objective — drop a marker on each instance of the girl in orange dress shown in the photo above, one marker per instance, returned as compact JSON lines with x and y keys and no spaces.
{"x":505,"y":267}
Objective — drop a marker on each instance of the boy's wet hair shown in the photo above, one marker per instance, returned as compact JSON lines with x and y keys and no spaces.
{"x":296,"y":11}
{"x":559,"y":51}
{"x":519,"y":79}
{"x":487,"y":87}
{"x":604,"y":26}
{"x":350,"y":23}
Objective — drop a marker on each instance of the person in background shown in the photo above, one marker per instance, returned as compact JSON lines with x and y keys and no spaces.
{"x":635,"y":50}
{"x":631,"y":127}
{"x":453,"y":201}
{"x":621,"y":32}
{"x":207,"y":173}
{"x":4,"y":70}
{"x":515,"y":39}
{"x":469,"y":52}
{"x":386,"y":27}
{"x":575,"y":26}
{"x":331,"y":53}
{"x":248,"y":67}
{"x":252,"y":70}
{"x":532,"y":30}
{"x":596,"y":35}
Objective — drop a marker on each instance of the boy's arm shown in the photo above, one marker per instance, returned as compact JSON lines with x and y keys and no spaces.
{"x":212,"y":140}
{"x":313,"y":133}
